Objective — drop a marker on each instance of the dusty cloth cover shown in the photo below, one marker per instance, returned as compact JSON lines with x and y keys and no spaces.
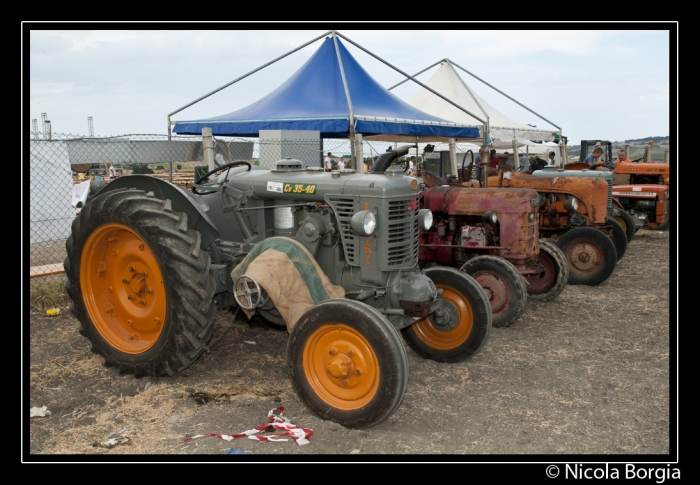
{"x":290,"y":275}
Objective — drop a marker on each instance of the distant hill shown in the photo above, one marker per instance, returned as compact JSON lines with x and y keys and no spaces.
{"x":655,"y":139}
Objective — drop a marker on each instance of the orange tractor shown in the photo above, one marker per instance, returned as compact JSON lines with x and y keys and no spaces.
{"x":640,"y":187}
{"x":574,"y":207}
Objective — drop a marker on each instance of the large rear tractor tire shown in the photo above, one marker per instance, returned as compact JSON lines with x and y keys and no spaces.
{"x":139,"y":283}
{"x":549,"y":283}
{"x":619,"y":238}
{"x":590,"y":254}
{"x":627,"y":222}
{"x":347,"y":363}
{"x":466,"y":323}
{"x":504,"y":286}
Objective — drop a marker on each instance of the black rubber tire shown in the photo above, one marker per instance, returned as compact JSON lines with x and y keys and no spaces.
{"x":509,"y":297}
{"x":667,"y":223}
{"x":556,"y":273}
{"x":596,"y":244}
{"x":184,"y":266}
{"x":627,"y":222}
{"x":619,"y":238}
{"x":472,"y":324}
{"x":311,"y":341}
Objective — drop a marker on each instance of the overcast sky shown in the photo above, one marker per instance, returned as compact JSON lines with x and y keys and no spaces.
{"x":605,"y":82}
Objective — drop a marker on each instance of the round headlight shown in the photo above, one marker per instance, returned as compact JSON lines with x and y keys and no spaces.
{"x":425,"y":219}
{"x":490,"y":217}
{"x":363,"y":223}
{"x":571,"y":205}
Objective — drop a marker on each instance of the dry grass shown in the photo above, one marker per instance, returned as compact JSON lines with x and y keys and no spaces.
{"x":48,"y":293}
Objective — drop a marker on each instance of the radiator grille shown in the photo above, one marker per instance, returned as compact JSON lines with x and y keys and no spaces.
{"x":402,"y":240}
{"x":344,"y":209}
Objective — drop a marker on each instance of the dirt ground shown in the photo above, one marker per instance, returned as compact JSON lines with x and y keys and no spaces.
{"x":586,"y":374}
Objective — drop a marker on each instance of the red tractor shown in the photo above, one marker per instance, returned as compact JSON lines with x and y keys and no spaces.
{"x":491,"y":234}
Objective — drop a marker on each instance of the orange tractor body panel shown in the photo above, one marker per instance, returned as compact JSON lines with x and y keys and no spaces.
{"x":591,"y":192}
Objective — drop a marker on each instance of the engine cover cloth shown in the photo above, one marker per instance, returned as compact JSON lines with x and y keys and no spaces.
{"x":290,"y":275}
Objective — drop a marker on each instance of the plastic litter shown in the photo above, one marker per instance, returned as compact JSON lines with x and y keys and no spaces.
{"x":42,"y":411}
{"x":299,"y":435}
{"x":52,"y":312}
{"x":236,"y":451}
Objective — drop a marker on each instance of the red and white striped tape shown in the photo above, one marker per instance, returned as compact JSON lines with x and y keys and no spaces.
{"x":299,"y":435}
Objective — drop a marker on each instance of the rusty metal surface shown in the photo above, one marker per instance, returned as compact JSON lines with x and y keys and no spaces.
{"x":592,"y":193}
{"x":515,"y":236}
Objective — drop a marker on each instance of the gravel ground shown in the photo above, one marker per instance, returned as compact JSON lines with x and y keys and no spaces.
{"x":590,"y":373}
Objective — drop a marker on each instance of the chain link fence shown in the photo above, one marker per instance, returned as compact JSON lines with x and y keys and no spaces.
{"x":63,"y":166}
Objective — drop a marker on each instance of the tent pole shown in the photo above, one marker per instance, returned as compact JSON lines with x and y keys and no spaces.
{"x":416,"y":74}
{"x":484,"y":152}
{"x":468,"y":90}
{"x":359,"y":158}
{"x":347,"y":96}
{"x":453,"y":157}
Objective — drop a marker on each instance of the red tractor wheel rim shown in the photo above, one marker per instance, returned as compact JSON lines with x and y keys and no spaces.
{"x":496,"y":290}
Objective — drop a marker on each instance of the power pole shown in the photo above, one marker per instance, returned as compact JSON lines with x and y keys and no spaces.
{"x":90,"y":131}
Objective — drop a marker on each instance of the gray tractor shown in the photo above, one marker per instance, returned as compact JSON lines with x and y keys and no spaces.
{"x":150,"y":263}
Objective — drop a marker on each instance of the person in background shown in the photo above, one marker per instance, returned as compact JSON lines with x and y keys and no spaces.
{"x":590,"y":159}
{"x":341,"y":163}
{"x":552,"y":157}
{"x":509,"y":159}
{"x":328,"y":162}
{"x":534,"y":165}
{"x":493,"y":163}
{"x":112,"y":171}
{"x":622,"y":156}
{"x":411,"y":167}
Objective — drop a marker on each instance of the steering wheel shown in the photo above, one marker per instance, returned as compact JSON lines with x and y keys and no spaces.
{"x":218,"y":169}
{"x":469,"y":167}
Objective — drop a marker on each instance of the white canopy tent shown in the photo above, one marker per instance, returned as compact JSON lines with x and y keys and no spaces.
{"x":447,"y":82}
{"x":502,"y":131}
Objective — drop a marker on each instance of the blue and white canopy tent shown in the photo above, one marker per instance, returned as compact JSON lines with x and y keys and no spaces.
{"x":331,"y":93}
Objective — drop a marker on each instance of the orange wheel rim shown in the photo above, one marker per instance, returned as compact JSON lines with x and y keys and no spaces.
{"x":123,"y":288}
{"x":341,"y":367}
{"x":460,"y":311}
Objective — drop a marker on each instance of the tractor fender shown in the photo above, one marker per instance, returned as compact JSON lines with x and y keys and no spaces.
{"x":180,"y":200}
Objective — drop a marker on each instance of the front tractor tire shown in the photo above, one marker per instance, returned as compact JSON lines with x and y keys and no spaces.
{"x":551,"y":281}
{"x":139,"y":283}
{"x":466,"y":323}
{"x":627,"y":222}
{"x":619,"y":238}
{"x":590,"y":254}
{"x":504,"y":287}
{"x":347,"y":363}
